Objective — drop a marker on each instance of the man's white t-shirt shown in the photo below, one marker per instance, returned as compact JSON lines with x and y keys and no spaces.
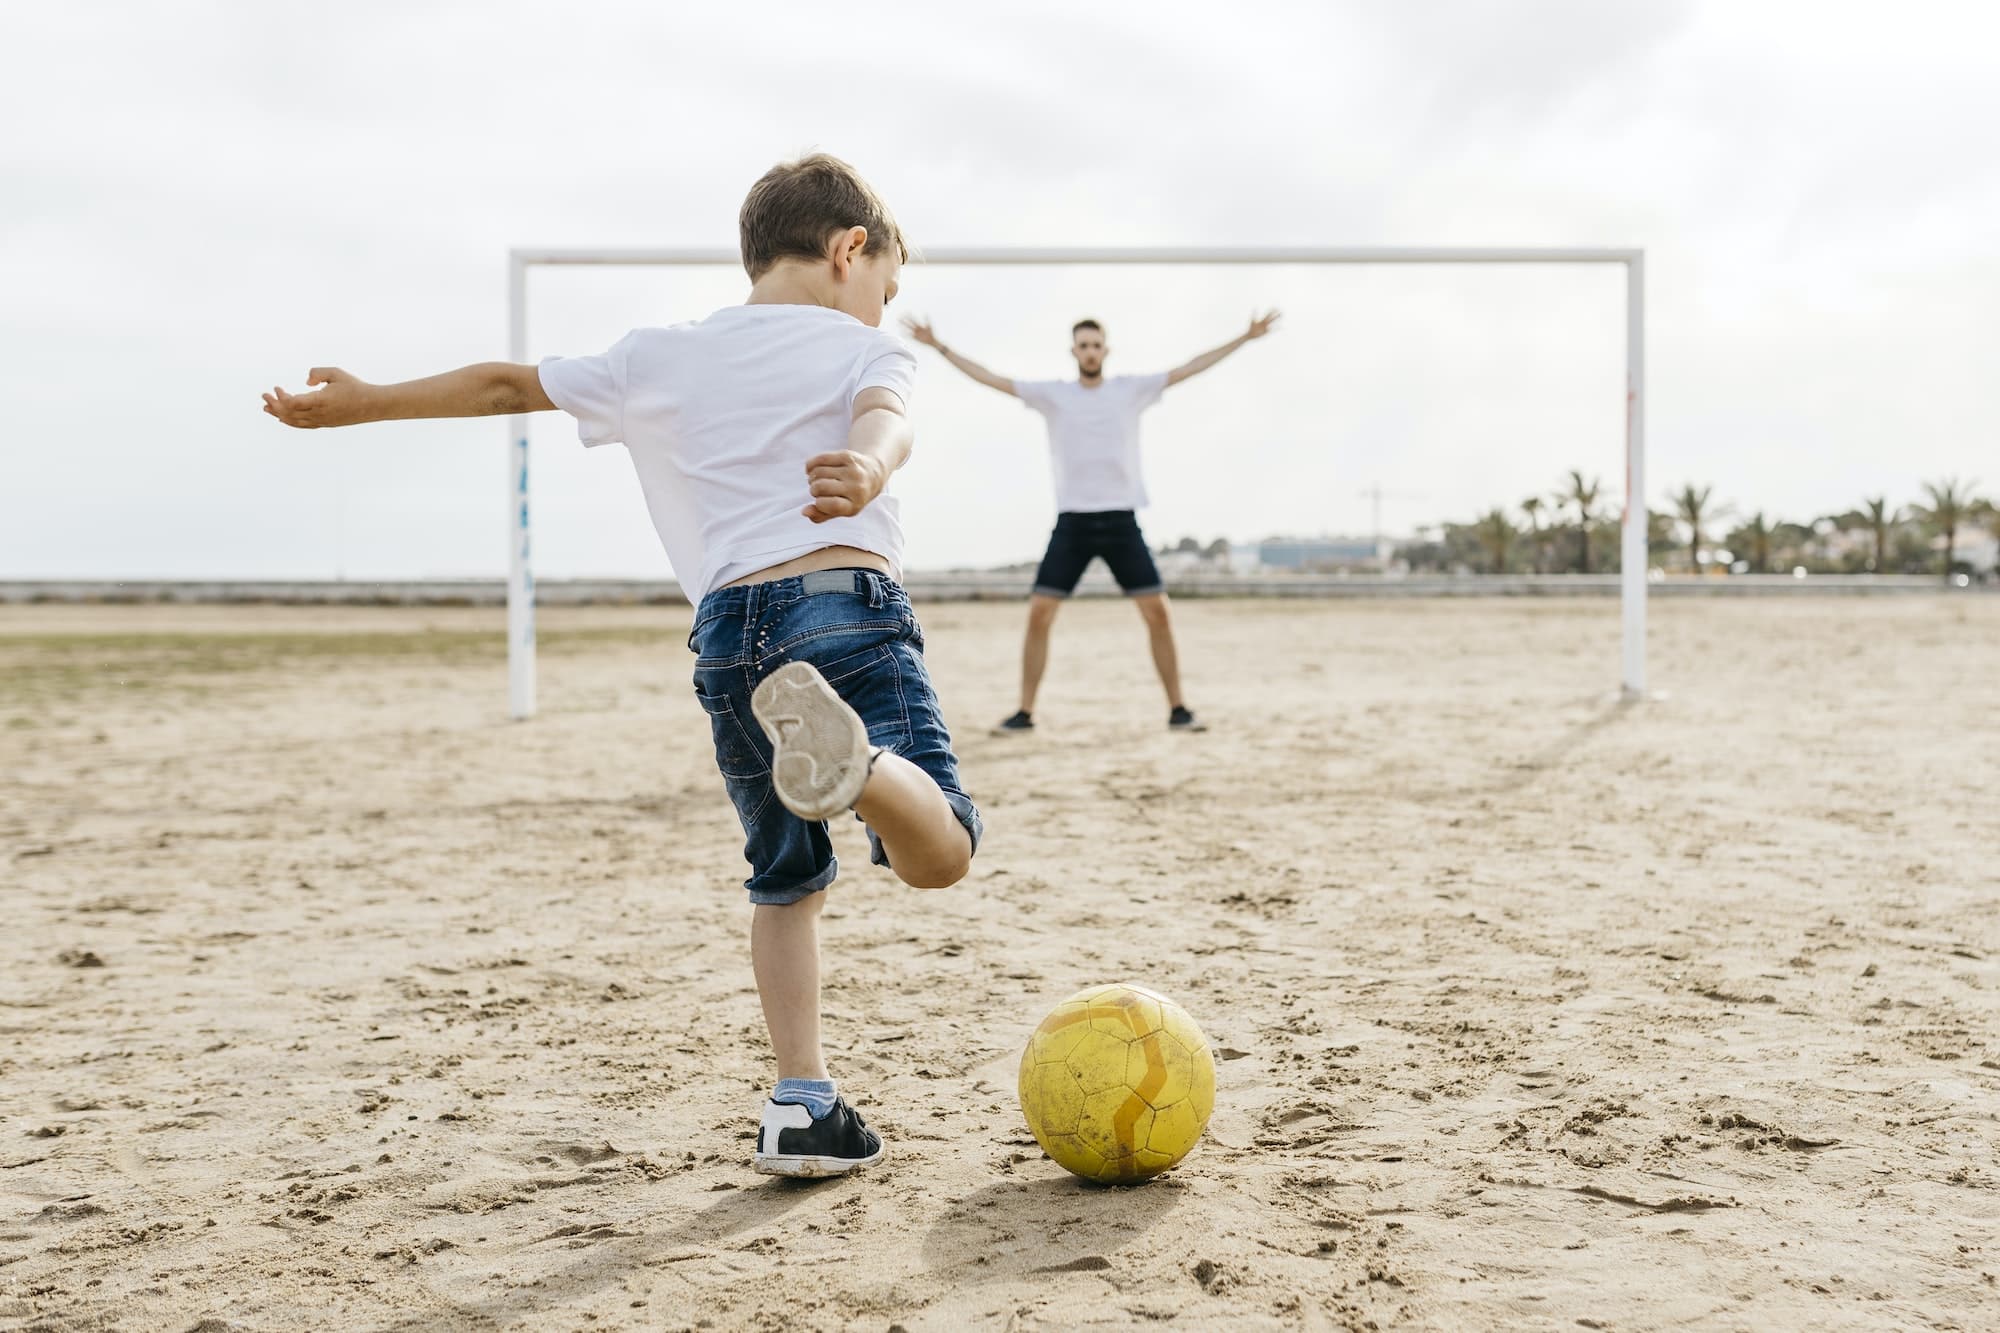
{"x":1094,"y":438}
{"x":720,"y":416}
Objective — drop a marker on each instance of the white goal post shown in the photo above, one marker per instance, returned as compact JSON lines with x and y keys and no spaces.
{"x":1633,"y":552}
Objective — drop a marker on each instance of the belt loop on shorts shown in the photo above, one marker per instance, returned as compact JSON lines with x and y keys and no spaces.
{"x":874,"y":590}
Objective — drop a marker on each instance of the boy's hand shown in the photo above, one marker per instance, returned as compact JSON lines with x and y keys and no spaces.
{"x":843,"y":483}
{"x":920,"y":329}
{"x":343,"y":401}
{"x":1261,"y":324}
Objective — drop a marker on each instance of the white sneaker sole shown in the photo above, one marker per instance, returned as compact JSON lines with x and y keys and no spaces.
{"x":819,"y":760}
{"x":775,"y":1164}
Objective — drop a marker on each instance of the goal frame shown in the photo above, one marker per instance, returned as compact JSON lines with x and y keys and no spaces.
{"x":1633,"y":550}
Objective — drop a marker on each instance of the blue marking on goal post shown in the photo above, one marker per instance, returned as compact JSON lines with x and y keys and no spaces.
{"x":527,"y":572}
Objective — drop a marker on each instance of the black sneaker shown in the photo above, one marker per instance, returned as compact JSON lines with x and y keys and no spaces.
{"x":1017,"y":723}
{"x":1182,"y":720}
{"x":792,"y":1143}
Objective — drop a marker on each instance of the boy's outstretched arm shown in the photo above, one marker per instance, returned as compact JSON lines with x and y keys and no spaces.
{"x":844,"y":483}
{"x":489,"y":389}
{"x":923,"y":333}
{"x":1259,"y":326}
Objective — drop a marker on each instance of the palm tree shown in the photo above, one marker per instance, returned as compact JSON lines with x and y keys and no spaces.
{"x":1582,"y":494}
{"x":1988,"y":513}
{"x":1692,"y":506}
{"x":1753,"y":541}
{"x":1951,"y":503}
{"x":1532,"y":507}
{"x":1496,"y":533}
{"x":1880,"y":518}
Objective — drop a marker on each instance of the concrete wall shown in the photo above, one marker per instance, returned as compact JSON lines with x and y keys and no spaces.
{"x":956,"y":587}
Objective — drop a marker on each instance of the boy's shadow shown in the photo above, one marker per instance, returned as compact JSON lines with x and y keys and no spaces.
{"x":1051,"y":1225}
{"x":613,"y":1260}
{"x":1007,"y":1230}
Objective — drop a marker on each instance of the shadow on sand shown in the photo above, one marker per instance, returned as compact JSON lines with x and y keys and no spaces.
{"x":1010,"y":1229}
{"x":614,"y":1258}
{"x":1562,"y":748}
{"x":1051,"y":1225}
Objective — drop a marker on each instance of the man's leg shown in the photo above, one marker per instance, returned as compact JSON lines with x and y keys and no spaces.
{"x":1160,"y":632}
{"x":784,"y":954}
{"x":1055,"y":578}
{"x":1042,"y":610}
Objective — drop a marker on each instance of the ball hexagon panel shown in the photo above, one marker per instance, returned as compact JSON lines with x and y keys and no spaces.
{"x":1098,"y":1062}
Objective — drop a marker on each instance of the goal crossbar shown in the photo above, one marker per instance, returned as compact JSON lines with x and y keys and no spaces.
{"x":1633,"y":548}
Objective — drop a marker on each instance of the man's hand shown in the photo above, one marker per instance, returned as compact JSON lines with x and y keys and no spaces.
{"x":1259,"y":326}
{"x":921,"y":330}
{"x":344,"y":401}
{"x":843,"y":483}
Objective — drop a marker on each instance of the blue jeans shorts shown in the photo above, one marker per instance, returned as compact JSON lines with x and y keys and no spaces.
{"x":857,"y":627}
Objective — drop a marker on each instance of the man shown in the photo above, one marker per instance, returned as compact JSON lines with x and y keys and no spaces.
{"x":1093,"y":424}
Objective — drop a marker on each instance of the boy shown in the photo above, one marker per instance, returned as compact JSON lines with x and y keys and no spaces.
{"x":764,"y":437}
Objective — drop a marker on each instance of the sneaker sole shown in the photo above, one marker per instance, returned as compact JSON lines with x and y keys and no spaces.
{"x":776,"y":1164}
{"x":819,"y":760}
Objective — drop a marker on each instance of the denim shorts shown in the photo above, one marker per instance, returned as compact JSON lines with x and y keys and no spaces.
{"x":856,"y":626}
{"x":1080,"y":538}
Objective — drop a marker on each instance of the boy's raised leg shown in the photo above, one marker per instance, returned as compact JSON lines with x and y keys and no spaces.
{"x":822,"y":766}
{"x":927,"y":846}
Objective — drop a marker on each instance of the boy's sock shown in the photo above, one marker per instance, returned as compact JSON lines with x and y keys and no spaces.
{"x":815,"y":1094}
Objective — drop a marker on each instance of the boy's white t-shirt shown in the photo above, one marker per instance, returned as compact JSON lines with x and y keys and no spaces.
{"x":1094,"y":438}
{"x":720,"y":416}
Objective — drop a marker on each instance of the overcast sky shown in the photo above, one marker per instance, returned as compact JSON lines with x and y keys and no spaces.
{"x":197,"y":201}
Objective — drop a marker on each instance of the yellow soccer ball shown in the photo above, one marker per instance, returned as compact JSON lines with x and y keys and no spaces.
{"x":1117,"y":1084}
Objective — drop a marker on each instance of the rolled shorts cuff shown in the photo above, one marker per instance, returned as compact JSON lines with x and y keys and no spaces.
{"x":1039,"y":591}
{"x":961,"y":805}
{"x":769,"y":891}
{"x":1156,"y":590}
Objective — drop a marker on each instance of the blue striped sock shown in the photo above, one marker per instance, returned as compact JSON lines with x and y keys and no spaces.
{"x":815,"y":1094}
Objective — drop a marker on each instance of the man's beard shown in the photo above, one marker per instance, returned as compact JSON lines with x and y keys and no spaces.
{"x":1088,"y":373}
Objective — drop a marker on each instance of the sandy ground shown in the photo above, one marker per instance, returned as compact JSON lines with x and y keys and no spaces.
{"x":333,"y":1000}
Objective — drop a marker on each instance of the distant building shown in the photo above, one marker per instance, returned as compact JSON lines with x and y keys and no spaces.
{"x":1975,"y":548}
{"x":1316,"y":553}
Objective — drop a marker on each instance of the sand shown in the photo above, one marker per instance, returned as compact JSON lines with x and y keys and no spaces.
{"x":333,"y":1000}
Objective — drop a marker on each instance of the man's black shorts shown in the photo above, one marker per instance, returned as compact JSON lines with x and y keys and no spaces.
{"x":1080,"y":538}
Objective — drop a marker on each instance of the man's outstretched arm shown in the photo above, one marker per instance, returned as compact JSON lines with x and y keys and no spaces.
{"x":490,"y":389}
{"x":923,"y":333}
{"x":1259,"y":326}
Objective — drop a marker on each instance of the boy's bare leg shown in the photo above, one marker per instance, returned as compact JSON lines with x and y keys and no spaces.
{"x":784,"y":954}
{"x":1035,"y":647}
{"x":928,"y":847}
{"x":1160,"y":630}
